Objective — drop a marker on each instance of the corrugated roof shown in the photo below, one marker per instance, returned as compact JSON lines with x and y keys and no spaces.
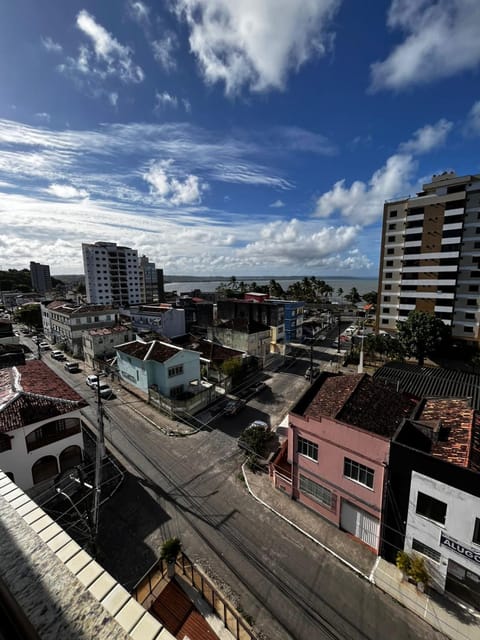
{"x":154,"y":350}
{"x":431,"y":381}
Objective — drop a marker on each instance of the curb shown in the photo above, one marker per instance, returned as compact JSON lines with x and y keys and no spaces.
{"x":348,"y":564}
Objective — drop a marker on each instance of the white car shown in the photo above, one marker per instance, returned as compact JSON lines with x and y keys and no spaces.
{"x":92,"y":381}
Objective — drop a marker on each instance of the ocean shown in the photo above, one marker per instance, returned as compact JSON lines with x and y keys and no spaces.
{"x":363,"y":285}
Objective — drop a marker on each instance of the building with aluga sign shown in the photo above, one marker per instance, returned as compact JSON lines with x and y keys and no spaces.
{"x":444,"y":526}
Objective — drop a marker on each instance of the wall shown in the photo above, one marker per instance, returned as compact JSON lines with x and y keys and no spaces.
{"x":335,"y":442}
{"x":190,"y":360}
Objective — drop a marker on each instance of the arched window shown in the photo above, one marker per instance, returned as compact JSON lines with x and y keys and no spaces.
{"x":44,"y":469}
{"x":70,"y":457}
{"x":52,"y":432}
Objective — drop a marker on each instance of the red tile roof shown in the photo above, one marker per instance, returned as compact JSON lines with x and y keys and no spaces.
{"x":358,"y":401}
{"x":32,"y":392}
{"x":453,"y":420}
{"x":155,"y":350}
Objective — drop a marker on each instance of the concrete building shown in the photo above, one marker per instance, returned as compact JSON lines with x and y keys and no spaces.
{"x":163,"y":319}
{"x":40,"y":275}
{"x":432,"y":507}
{"x":99,"y":344}
{"x":40,"y":424}
{"x":252,"y":338}
{"x":112,"y":274}
{"x":148,"y":281}
{"x":65,"y":322}
{"x":337,"y":454}
{"x":430,"y":256}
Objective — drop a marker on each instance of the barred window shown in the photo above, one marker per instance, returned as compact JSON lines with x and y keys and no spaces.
{"x":307,"y":448}
{"x":358,"y":472}
{"x":317,"y":492}
{"x":425,"y":550}
{"x":175,"y":371}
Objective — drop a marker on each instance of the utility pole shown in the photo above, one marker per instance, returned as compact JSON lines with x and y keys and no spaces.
{"x":99,"y":457}
{"x":311,"y":359}
{"x":339,"y":327}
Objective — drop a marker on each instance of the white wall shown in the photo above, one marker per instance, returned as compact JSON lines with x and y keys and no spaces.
{"x":462,"y":509}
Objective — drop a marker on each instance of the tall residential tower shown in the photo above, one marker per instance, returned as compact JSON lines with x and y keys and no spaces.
{"x":430,"y":256}
{"x":40,"y":275}
{"x":112,"y":274}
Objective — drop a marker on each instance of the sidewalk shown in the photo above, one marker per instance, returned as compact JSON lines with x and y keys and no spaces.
{"x":449,"y":617}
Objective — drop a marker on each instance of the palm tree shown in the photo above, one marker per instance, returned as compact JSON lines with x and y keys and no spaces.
{"x":340,"y":293}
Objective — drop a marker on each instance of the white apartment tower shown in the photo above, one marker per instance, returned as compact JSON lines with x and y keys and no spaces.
{"x":148,"y":281}
{"x":112,"y":274}
{"x":430,"y":256}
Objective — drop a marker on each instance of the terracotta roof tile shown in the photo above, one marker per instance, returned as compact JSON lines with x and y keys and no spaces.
{"x":358,"y":401}
{"x":33,"y":392}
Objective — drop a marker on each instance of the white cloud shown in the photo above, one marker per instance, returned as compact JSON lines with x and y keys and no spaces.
{"x":113,"y":98}
{"x":428,"y":138}
{"x":441,"y":40}
{"x":51,"y":46}
{"x":362,"y":203}
{"x":186,"y":105}
{"x":139,"y":11}
{"x":107,"y":58}
{"x":43,"y":116}
{"x":164,"y":100}
{"x":473,"y":119}
{"x":163,"y":51}
{"x":256,"y":44}
{"x":66,"y":192}
{"x":277,"y":204}
{"x":172,"y":190}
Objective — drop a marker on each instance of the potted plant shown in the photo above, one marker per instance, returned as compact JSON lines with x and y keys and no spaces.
{"x":170,"y":550}
{"x":403,"y":562}
{"x":418,"y":572}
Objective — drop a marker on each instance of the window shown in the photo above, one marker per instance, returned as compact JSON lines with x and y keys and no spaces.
{"x":392,"y":226}
{"x":175,"y":371}
{"x":390,"y":252}
{"x":476,"y":531}
{"x":318,"y":493}
{"x":393,"y":214}
{"x":358,"y":472}
{"x":471,"y":302}
{"x":389,"y":263}
{"x":467,"y":329}
{"x":384,"y":320}
{"x":307,"y":448}
{"x":388,"y":275}
{"x":388,"y":287}
{"x":473,"y":287}
{"x":391,"y":239}
{"x":5,"y":442}
{"x":425,"y":550}
{"x":431,"y":508}
{"x":386,"y":298}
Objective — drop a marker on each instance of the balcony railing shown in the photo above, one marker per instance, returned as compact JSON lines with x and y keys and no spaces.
{"x":48,"y":438}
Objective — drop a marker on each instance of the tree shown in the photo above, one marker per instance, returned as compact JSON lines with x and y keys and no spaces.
{"x":421,"y":334}
{"x":370,"y":297}
{"x":30,"y":315}
{"x":353,"y":297}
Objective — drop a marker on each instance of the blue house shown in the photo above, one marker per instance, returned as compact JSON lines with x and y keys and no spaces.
{"x":165,"y":369}
{"x":293,"y":318}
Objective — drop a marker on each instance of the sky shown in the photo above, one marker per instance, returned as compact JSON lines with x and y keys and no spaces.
{"x":228,"y":137}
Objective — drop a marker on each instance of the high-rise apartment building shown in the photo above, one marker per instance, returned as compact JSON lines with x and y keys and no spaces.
{"x":430,"y":256}
{"x":40,"y":275}
{"x":112,"y":274}
{"x":148,"y":281}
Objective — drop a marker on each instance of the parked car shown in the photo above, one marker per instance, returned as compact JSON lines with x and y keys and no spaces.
{"x":312,"y":372}
{"x":234,"y":406}
{"x":57,"y":355}
{"x":105,"y":390}
{"x":44,"y":346}
{"x":258,"y":424}
{"x":72,"y":367}
{"x":92,"y":380}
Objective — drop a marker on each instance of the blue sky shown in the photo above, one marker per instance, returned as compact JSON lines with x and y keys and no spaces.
{"x":221,"y":137}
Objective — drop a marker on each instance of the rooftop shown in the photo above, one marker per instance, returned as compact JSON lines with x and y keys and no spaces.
{"x":70,"y":308}
{"x":106,"y":331}
{"x":32,"y":392}
{"x":359,"y":401}
{"x":154,"y":350}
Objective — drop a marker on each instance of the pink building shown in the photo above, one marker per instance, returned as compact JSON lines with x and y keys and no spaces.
{"x":336,"y":456}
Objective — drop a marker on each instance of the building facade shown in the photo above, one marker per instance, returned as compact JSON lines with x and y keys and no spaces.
{"x":337,"y":455}
{"x":250,"y":310}
{"x":99,"y":344}
{"x":40,"y":424}
{"x":112,"y":274}
{"x":40,"y":275}
{"x":64,"y":322}
{"x":148,"y":281}
{"x":430,"y":256}
{"x":163,"y":319}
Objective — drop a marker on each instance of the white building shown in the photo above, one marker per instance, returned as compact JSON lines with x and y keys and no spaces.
{"x":40,"y":424}
{"x":65,"y":322}
{"x":163,"y":319}
{"x":112,"y":274}
{"x":430,"y":258}
{"x":444,"y":526}
{"x":100,"y":344}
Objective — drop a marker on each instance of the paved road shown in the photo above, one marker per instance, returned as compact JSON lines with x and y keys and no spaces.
{"x":292,"y":589}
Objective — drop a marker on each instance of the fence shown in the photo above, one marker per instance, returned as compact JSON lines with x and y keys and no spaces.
{"x":144,"y":593}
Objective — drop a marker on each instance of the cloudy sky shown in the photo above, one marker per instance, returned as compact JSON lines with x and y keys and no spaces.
{"x":227,"y":137}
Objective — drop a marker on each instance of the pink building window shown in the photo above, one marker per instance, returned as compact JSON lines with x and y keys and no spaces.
{"x":358,"y":472}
